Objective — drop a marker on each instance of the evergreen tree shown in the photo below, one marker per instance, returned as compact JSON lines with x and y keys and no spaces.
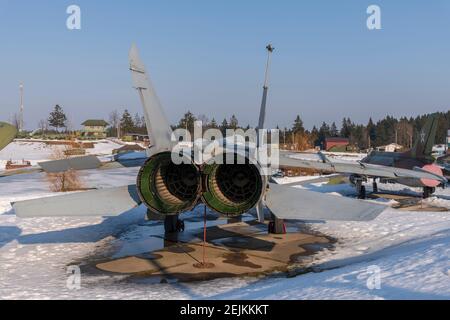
{"x":126,"y":123}
{"x":333,"y":130}
{"x":57,"y":118}
{"x":213,"y":124}
{"x":224,"y":127}
{"x":314,"y":138}
{"x":347,"y":127}
{"x":298,"y":125}
{"x":187,"y":122}
{"x":234,"y":123}
{"x":371,"y":132}
{"x":324,"y":132}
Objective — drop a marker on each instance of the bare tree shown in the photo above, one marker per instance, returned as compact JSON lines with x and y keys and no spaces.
{"x":405,"y":132}
{"x":43,"y":126}
{"x":114,"y":120}
{"x":16,"y":120}
{"x":69,"y":126}
{"x":204,"y":119}
{"x":64,"y":181}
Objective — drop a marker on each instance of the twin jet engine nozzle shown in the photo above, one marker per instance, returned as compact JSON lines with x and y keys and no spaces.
{"x":231,"y":189}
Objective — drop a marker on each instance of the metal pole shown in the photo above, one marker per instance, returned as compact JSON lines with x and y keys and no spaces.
{"x":204,"y":236}
{"x":262,"y":114}
{"x":21,"y":108}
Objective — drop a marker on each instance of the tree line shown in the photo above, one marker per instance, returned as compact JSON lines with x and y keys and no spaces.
{"x":362,"y":136}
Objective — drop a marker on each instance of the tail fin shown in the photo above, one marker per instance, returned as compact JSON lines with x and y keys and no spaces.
{"x":157,"y":125}
{"x":425,"y":138}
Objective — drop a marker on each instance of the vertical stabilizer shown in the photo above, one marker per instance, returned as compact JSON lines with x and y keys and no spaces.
{"x":425,"y":139}
{"x":157,"y":125}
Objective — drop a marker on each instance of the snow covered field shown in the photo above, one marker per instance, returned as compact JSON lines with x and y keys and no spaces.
{"x":38,"y":151}
{"x":406,"y":253}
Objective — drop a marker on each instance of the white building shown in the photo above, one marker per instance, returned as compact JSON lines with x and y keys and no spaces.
{"x":393,"y":147}
{"x":448,"y":139}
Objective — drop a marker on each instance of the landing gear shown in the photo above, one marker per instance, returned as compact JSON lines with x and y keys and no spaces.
{"x":362,"y":193}
{"x":277,"y":226}
{"x":375,"y":186}
{"x":234,"y":220}
{"x":357,"y":181}
{"x":428,"y":192}
{"x":172,"y":224}
{"x":360,"y":189}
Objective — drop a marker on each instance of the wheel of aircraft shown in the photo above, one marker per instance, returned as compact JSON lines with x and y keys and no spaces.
{"x":428,"y":192}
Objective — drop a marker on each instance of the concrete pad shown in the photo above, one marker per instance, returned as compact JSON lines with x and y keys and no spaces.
{"x":238,"y":249}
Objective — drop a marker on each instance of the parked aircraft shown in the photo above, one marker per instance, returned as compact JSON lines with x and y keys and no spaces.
{"x":414,"y":168}
{"x":444,"y":163}
{"x":170,"y":189}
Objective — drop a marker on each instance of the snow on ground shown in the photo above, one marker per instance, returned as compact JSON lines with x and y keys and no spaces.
{"x":293,"y":180}
{"x":39,"y":151}
{"x":411,"y":251}
{"x":103,"y":147}
{"x":334,"y":156}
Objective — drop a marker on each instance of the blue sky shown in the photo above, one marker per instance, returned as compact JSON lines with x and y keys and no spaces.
{"x":208,"y":56}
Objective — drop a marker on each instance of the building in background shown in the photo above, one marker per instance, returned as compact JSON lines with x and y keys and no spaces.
{"x":393,"y":147}
{"x":448,"y":141}
{"x":94,"y":129}
{"x":336,"y":144}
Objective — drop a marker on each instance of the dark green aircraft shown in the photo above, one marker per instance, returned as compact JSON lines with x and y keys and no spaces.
{"x":7,"y":134}
{"x":414,"y":168}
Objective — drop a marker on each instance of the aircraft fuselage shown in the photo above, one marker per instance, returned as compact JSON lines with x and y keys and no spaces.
{"x":401,"y":160}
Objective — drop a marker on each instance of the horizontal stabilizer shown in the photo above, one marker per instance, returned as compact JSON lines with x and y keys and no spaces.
{"x":78,"y":163}
{"x":102,"y":202}
{"x":299,"y":204}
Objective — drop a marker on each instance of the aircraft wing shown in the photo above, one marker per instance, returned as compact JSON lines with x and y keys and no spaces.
{"x":102,"y":202}
{"x":363,"y":169}
{"x":135,"y":159}
{"x":297,"y":204}
{"x":7,"y":134}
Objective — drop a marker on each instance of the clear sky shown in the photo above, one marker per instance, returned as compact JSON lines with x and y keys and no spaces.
{"x":208,"y":56}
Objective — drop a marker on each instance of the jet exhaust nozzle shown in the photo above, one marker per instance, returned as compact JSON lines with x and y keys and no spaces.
{"x":167,"y":188}
{"x":232,"y":189}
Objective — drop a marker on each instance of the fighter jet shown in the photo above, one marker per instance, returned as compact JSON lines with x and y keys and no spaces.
{"x":170,"y":189}
{"x":414,"y":168}
{"x":7,"y":134}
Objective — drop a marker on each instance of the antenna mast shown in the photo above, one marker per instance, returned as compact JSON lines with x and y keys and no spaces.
{"x":21,"y":108}
{"x":262,"y":114}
